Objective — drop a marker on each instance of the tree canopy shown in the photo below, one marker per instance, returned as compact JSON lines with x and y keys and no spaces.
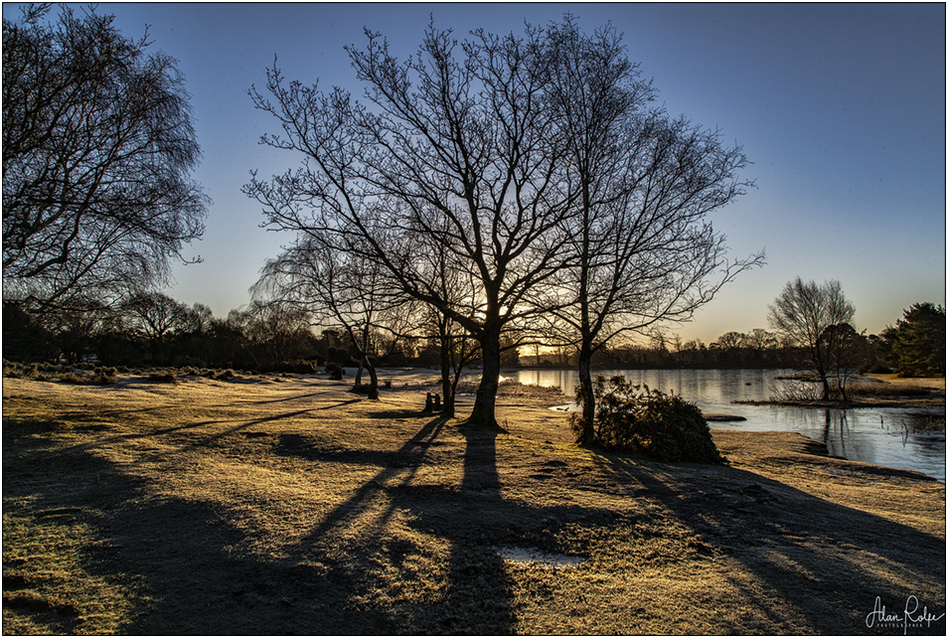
{"x":526,"y":166}
{"x":98,"y":144}
{"x":918,"y":341}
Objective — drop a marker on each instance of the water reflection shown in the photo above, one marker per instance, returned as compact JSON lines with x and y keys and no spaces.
{"x":897,"y":437}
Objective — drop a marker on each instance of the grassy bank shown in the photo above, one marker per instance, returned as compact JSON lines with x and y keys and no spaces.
{"x":279,"y":506}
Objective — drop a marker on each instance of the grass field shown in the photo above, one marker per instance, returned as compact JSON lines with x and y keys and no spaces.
{"x":291,"y":506}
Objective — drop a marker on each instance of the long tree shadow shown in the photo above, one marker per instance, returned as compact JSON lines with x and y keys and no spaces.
{"x":183,"y":428}
{"x":473,"y":518}
{"x":176,"y":562}
{"x":826,"y":563}
{"x":478,"y":597}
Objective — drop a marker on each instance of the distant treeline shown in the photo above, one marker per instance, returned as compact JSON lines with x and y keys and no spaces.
{"x":153,"y":329}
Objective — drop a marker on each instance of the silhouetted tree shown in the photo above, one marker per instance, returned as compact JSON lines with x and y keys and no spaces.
{"x":274,"y":332}
{"x":25,"y":339}
{"x":453,"y":153}
{"x":803,"y":312}
{"x":341,"y":289}
{"x":641,"y":250}
{"x":456,"y":347}
{"x":847,"y":351}
{"x":97,"y":147}
{"x":153,"y":317}
{"x":729,"y":348}
{"x":762,"y":344}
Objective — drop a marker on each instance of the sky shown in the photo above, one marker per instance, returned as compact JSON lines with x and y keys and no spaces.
{"x":841,"y":108}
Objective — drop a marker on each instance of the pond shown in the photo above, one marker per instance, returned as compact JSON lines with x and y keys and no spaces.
{"x":881,"y":436}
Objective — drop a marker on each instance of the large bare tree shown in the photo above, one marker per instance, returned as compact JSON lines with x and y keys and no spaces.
{"x":453,"y":153}
{"x":641,"y":248}
{"x":98,"y":144}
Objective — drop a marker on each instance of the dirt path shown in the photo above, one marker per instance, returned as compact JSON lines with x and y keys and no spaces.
{"x":266,"y":507}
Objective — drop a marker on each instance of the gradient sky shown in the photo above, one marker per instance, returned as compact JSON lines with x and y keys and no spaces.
{"x":841,"y":109}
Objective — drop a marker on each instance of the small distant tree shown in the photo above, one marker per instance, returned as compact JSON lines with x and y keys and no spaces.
{"x":847,"y":351}
{"x":456,"y":346}
{"x":153,"y":317}
{"x":763,"y":344}
{"x":274,"y":331}
{"x":803,"y":313}
{"x":98,"y":144}
{"x":730,"y":347}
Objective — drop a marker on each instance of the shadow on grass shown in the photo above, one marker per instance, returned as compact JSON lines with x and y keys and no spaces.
{"x":819,"y":562}
{"x":362,"y":549}
{"x":96,"y":425}
{"x":177,"y":561}
{"x":359,"y":567}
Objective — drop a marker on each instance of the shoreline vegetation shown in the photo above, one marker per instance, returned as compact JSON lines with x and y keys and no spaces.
{"x":874,"y":390}
{"x":288,"y":504}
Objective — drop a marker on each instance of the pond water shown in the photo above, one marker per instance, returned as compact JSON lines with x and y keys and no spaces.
{"x":877,"y":435}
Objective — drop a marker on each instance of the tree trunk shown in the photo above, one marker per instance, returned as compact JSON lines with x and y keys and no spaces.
{"x":373,"y":380}
{"x":448,"y":389}
{"x":585,"y":394}
{"x":483,"y":413}
{"x":357,"y":382}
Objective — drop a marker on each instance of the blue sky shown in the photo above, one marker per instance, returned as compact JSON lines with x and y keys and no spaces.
{"x":841,"y":109}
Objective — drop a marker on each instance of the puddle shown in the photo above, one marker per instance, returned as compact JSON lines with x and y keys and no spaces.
{"x":566,"y":408}
{"x":535,"y":557}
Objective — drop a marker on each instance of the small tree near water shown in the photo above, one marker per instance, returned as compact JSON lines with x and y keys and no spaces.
{"x":633,"y":418}
{"x":804,"y":313}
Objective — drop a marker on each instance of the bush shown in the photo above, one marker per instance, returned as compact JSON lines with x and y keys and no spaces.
{"x":630,"y":418}
{"x":298,"y":366}
{"x":71,"y":378}
{"x":105,"y":375}
{"x":166,"y":376}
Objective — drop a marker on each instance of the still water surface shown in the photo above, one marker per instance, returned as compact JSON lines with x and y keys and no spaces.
{"x":875,"y":435}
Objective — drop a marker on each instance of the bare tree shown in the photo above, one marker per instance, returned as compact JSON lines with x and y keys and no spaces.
{"x":763,"y":344}
{"x":641,"y":248}
{"x":457,"y":348}
{"x":345,"y":290}
{"x":154,"y":317}
{"x":452,"y":154}
{"x":847,"y":350}
{"x":271,"y":331}
{"x":97,"y":147}
{"x":761,"y":340}
{"x":804,"y":313}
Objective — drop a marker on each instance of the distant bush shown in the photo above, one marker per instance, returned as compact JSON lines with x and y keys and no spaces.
{"x":879,"y":390}
{"x":334,"y":371}
{"x":165,"y":376}
{"x":105,"y":376}
{"x":631,"y":418}
{"x":71,"y":378}
{"x":298,"y":366}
